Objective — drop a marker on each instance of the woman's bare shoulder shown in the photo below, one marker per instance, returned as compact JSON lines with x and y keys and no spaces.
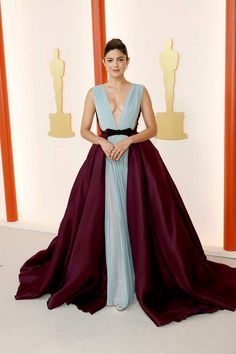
{"x":140,"y":85}
{"x":92,"y":89}
{"x":89,"y":98}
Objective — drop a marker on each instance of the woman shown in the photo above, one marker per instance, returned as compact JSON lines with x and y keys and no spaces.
{"x":126,"y":229}
{"x":111,"y":100}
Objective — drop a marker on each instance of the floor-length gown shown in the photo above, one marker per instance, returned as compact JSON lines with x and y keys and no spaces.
{"x":126,"y":230}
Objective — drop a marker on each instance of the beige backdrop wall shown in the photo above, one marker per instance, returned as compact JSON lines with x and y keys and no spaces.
{"x":45,"y":167}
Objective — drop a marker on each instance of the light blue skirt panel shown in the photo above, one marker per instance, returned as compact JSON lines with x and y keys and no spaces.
{"x":120,"y":287}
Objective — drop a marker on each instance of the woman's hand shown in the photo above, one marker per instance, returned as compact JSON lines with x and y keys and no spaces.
{"x":119,"y":149}
{"x":107,"y":147}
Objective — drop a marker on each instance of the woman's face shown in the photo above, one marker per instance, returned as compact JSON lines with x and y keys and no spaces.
{"x":115,"y":62}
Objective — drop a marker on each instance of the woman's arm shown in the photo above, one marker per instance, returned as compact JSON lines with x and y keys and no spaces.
{"x":87,"y":119}
{"x":149,"y":118}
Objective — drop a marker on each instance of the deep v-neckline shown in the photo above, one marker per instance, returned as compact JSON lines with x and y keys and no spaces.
{"x":124,"y":105}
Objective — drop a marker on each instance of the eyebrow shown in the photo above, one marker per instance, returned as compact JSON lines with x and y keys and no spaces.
{"x":122,"y":56}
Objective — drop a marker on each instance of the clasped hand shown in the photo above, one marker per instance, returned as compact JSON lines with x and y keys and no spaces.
{"x":115,"y":151}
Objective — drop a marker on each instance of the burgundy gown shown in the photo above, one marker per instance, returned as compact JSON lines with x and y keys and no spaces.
{"x":173,"y":278}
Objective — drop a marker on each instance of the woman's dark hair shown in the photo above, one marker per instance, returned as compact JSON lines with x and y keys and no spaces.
{"x":115,"y":43}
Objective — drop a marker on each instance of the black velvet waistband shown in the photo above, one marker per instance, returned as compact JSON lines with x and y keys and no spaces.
{"x":110,"y":132}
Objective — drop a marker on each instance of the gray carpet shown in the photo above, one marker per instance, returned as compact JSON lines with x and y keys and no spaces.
{"x":27,"y":326}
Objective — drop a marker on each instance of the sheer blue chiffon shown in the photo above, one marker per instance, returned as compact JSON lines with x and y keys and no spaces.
{"x":120,"y":270}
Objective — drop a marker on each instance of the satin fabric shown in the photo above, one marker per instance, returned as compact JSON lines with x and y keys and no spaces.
{"x":173,"y":278}
{"x":72,"y":269}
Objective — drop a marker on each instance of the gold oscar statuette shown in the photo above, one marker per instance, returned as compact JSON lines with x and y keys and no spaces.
{"x":170,"y":124}
{"x":60,"y":122}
